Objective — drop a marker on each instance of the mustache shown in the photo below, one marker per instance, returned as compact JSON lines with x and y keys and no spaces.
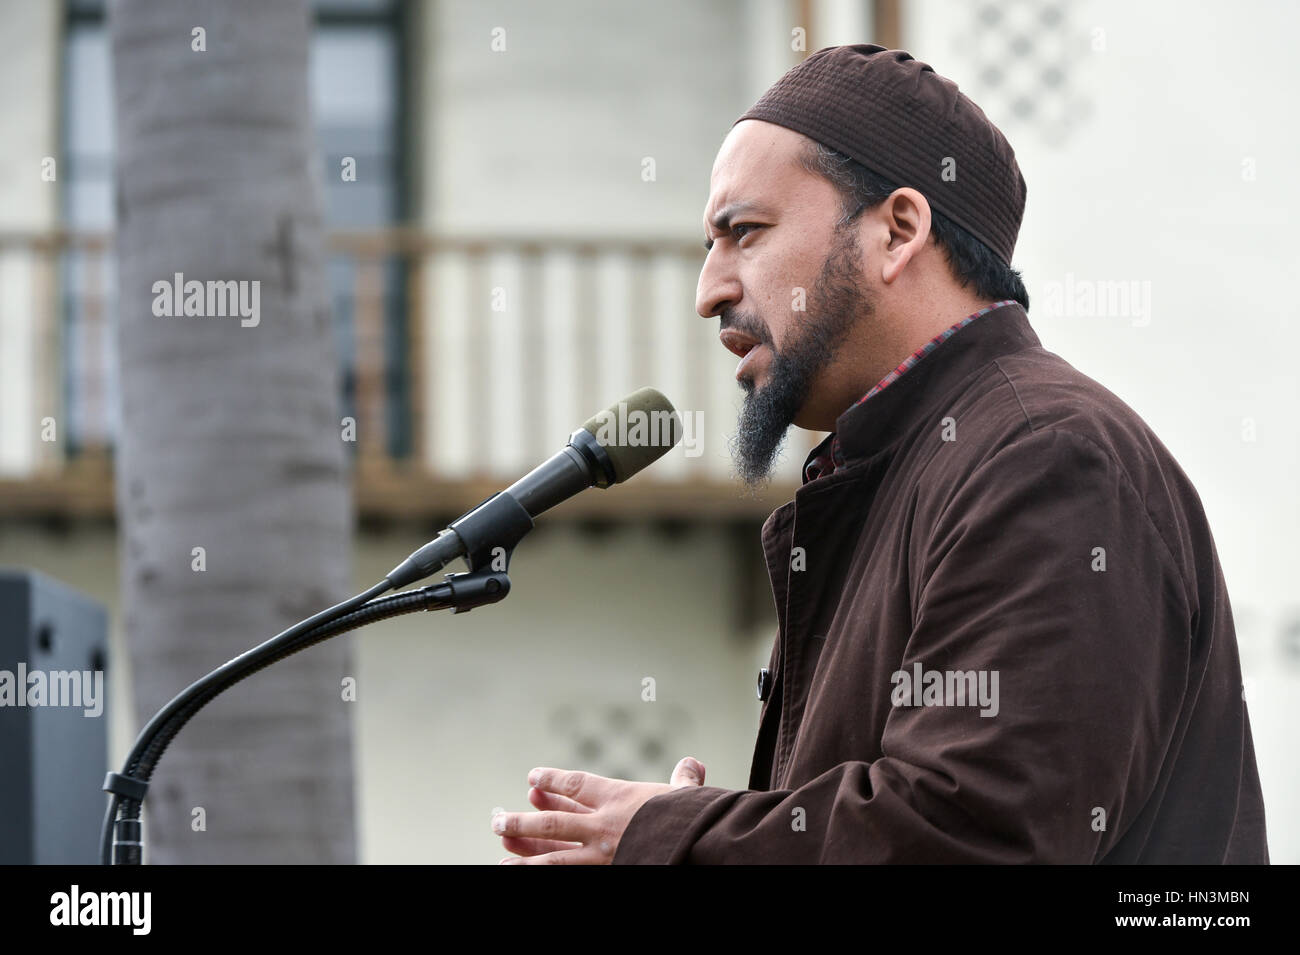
{"x":746,"y":324}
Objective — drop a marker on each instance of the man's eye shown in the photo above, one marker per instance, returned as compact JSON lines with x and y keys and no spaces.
{"x":741,"y":229}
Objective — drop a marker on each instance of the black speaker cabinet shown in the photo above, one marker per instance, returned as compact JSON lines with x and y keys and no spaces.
{"x":53,"y":720}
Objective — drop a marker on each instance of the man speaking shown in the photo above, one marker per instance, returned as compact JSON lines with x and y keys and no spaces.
{"x":1004,"y":633}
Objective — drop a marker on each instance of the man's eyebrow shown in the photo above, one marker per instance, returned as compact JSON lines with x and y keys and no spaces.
{"x":723,"y":218}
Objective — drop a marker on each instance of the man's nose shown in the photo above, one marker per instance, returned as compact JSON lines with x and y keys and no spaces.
{"x":718,"y":288}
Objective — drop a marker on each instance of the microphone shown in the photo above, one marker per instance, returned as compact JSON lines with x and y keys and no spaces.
{"x":609,"y":448}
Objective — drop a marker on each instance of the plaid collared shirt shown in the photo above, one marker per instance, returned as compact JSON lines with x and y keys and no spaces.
{"x":829,"y":461}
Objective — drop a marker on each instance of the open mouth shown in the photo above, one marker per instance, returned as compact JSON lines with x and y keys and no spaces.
{"x":738,"y":343}
{"x":741,"y":345}
{"x":748,"y":358}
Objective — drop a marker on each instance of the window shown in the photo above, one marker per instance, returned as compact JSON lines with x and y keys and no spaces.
{"x":358,"y":80}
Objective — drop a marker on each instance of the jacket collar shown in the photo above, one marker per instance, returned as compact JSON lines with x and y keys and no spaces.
{"x":874,"y":425}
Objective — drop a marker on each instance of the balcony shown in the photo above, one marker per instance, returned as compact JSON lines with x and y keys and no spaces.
{"x":465,"y":361}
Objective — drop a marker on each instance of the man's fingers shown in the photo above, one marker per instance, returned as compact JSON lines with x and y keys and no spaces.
{"x":584,"y":788}
{"x":688,"y":772}
{"x":536,"y":847}
{"x":562,"y":826}
{"x":545,"y":800}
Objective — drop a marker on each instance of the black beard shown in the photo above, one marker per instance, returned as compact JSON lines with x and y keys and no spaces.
{"x":836,"y":303}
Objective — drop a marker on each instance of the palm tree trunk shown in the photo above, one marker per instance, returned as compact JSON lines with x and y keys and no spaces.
{"x":229,"y":438}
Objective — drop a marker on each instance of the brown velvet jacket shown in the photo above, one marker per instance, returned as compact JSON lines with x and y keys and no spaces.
{"x":1003,"y":523}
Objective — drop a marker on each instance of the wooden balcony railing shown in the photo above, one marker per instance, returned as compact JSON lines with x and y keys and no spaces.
{"x":465,"y":360}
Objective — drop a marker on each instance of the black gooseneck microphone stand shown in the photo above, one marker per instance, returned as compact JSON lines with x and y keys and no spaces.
{"x":486,"y":537}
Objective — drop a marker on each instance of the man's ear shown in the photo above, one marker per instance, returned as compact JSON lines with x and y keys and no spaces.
{"x":906,"y":214}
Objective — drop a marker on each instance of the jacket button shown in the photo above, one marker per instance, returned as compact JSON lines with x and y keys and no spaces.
{"x":764,"y":683}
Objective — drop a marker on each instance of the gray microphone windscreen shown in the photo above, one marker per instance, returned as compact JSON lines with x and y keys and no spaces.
{"x":637,"y":431}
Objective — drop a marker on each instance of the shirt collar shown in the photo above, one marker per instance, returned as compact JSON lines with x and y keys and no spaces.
{"x":911,"y":390}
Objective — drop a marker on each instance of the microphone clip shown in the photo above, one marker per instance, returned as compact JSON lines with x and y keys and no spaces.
{"x":464,"y":592}
{"x":490,"y":532}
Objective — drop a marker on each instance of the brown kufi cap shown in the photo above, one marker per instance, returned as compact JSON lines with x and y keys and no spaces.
{"x":903,"y":121}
